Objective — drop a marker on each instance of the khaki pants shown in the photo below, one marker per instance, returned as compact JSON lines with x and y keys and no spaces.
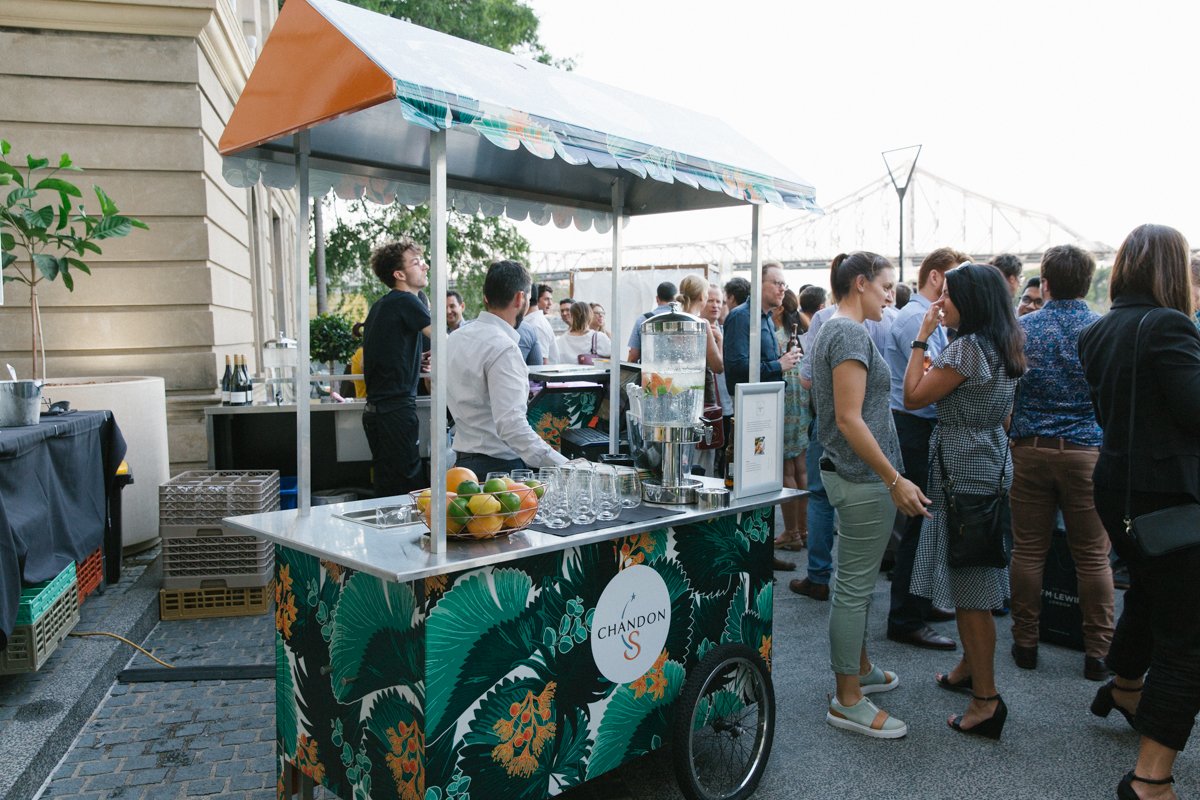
{"x":1045,"y":480}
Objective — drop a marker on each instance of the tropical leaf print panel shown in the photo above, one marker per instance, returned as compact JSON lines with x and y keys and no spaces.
{"x":484,"y":684}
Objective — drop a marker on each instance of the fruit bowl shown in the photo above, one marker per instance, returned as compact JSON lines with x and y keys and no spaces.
{"x":480,"y":515}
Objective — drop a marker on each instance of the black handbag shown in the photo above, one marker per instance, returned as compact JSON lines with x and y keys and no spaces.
{"x":977,"y":525}
{"x":1167,"y":530}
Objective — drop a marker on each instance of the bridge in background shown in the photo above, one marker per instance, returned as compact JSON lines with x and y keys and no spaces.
{"x":939,"y":213}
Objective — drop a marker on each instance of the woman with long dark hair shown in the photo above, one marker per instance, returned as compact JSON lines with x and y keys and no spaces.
{"x":973,"y":381}
{"x":797,"y":417}
{"x":1158,"y":635}
{"x":862,"y":472}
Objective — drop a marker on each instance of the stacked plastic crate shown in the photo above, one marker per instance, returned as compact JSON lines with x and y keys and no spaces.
{"x":207,"y":572}
{"x":46,"y":614}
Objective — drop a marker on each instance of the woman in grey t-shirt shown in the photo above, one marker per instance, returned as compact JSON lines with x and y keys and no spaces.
{"x":861,"y":471}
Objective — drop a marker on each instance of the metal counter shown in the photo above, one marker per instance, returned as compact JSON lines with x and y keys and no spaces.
{"x":402,"y":554}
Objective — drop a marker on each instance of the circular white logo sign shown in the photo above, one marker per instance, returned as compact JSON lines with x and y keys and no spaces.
{"x":630,"y":626}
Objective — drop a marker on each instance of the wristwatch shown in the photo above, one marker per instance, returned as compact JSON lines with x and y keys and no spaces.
{"x":917,"y":343}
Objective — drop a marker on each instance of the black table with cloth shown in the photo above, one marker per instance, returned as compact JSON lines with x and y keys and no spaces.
{"x":55,"y":481}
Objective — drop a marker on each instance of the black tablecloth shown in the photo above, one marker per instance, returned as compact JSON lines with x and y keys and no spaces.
{"x":55,"y":479}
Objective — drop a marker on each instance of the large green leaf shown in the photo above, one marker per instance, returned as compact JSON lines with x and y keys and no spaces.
{"x":48,"y":265}
{"x":60,"y":186}
{"x":287,"y":722}
{"x":712,"y":551}
{"x":621,"y":727}
{"x":475,"y":605}
{"x":679,"y":639}
{"x":764,"y":602}
{"x":5,"y":260}
{"x":13,"y":173}
{"x":36,"y":163}
{"x":733,"y":618}
{"x":40,"y":218}
{"x":708,"y":615}
{"x":107,"y":207}
{"x":17,"y":195}
{"x":112,"y":227}
{"x":7,"y":241}
{"x":376,"y":640}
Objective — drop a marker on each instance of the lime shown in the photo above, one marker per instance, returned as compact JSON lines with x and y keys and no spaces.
{"x":537,"y":487}
{"x":509,"y":502}
{"x":495,"y":486}
{"x":458,"y":512}
{"x":468,"y":487}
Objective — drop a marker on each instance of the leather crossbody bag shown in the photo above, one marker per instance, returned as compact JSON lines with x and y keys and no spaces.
{"x":1167,"y":530}
{"x":976,"y":524}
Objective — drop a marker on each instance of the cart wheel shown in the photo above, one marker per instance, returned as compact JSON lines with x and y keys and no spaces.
{"x":723,"y":727}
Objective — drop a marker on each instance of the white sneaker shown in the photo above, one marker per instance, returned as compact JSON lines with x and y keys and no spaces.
{"x":878,"y":680}
{"x":866,"y":718}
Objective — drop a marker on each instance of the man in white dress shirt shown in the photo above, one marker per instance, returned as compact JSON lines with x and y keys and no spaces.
{"x":537,"y":319}
{"x":489,"y":394}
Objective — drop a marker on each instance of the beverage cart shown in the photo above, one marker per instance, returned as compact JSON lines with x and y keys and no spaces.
{"x":409,"y":666}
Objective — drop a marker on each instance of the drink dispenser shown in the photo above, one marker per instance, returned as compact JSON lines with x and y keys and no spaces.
{"x":674,"y":347}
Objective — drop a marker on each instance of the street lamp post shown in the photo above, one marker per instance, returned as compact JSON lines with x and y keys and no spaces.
{"x":901,"y":188}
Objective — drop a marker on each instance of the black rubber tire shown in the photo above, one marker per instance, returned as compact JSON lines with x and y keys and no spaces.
{"x":687,"y":744}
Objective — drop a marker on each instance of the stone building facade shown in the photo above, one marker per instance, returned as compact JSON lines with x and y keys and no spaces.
{"x":138,"y":93}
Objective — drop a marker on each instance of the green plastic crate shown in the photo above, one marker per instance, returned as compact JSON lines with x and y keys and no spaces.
{"x":37,"y":599}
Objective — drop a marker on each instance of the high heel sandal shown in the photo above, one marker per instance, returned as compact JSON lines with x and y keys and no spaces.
{"x":1125,"y":787}
{"x":791,"y":540}
{"x":991,"y":727}
{"x":944,"y":681}
{"x":1104,"y":701}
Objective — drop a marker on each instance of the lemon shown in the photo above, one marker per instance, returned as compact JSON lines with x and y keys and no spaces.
{"x":480,"y":504}
{"x":423,"y":501}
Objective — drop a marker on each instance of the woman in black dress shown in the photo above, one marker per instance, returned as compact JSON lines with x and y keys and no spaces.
{"x":1158,"y":635}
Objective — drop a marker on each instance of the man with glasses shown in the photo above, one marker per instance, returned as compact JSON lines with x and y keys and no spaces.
{"x":1031,"y":297}
{"x":736,"y":348}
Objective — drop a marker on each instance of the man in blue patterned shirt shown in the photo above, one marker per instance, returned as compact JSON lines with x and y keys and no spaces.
{"x":1056,"y":442}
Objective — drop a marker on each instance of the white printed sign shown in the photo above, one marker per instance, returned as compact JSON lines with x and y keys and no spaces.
{"x":630,"y":626}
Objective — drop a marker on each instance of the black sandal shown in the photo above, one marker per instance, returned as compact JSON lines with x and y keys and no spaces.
{"x":991,"y":727}
{"x":1125,"y":787}
{"x":943,"y":680}
{"x":1104,"y":701}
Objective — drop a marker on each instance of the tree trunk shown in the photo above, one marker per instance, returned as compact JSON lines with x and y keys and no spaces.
{"x":319,"y":259}
{"x":35,"y":316}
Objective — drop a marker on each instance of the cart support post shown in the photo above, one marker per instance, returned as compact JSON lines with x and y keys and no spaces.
{"x":440,"y":270}
{"x":755,"y":291}
{"x":614,"y":366}
{"x":301,"y":378}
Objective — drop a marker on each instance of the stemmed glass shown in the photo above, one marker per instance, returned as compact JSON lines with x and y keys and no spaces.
{"x":608,"y":499}
{"x":629,"y":487}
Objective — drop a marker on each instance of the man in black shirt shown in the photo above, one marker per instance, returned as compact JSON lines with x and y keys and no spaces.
{"x":392,"y":352}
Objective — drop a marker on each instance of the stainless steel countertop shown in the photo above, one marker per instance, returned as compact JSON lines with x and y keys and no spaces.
{"x":316,"y":408}
{"x":402,"y":554}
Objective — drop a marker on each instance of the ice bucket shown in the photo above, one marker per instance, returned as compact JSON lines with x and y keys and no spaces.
{"x":20,"y":403}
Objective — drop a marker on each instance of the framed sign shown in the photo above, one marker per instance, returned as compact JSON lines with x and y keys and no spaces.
{"x":758,"y":438}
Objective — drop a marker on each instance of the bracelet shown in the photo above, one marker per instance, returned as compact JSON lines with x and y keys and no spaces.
{"x":892,"y":485}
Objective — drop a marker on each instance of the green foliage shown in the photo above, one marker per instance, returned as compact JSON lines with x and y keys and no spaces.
{"x":44,"y":230}
{"x":472,"y":242}
{"x":331,"y":338}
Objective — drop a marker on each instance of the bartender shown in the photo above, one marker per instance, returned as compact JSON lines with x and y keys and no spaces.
{"x":392,"y":353}
{"x":488,"y":392}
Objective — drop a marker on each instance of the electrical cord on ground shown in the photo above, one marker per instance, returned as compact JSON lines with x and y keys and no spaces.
{"x":140,"y":649}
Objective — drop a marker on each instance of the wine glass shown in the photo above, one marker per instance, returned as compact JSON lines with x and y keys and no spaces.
{"x":629,"y":487}
{"x":521,"y":475}
{"x":608,"y":499}
{"x":500,"y":475}
{"x":581,"y":496}
{"x":554,"y":508}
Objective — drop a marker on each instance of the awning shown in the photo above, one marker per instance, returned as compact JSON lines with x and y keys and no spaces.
{"x":518,"y":131}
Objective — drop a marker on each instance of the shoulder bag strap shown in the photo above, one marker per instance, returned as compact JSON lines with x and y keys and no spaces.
{"x":1132,"y":406}
{"x":593,"y":350}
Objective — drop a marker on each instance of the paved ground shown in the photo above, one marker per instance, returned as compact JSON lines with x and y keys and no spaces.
{"x":215,"y":739}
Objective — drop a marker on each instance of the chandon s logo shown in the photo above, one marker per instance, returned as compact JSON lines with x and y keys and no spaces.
{"x":630,"y":643}
{"x":631,"y":623}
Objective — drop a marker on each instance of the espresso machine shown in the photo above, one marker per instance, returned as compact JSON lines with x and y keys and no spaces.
{"x":666,"y":419}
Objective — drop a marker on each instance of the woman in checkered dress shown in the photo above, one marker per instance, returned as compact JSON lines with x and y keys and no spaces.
{"x":973,"y":382}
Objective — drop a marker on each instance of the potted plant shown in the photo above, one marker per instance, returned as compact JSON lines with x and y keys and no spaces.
{"x":44,"y":240}
{"x":331,"y":339}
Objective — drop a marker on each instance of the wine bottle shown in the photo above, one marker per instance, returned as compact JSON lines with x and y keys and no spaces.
{"x":238,"y":397}
{"x":248,"y":384}
{"x":226,"y":383}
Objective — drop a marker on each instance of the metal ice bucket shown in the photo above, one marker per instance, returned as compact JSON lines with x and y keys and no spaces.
{"x":20,"y":403}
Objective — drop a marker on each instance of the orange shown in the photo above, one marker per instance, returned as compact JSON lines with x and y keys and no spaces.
{"x":485,"y":526}
{"x":529,"y":504}
{"x":456,"y":475}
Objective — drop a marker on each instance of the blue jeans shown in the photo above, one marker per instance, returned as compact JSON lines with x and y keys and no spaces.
{"x":820,"y":516}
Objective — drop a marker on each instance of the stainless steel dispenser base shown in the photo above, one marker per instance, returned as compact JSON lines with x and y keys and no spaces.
{"x":684,"y":494}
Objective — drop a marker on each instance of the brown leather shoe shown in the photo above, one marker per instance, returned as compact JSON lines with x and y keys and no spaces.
{"x":1094,"y":669}
{"x":1026,"y":657}
{"x":817,"y":591}
{"x":924,"y":636}
{"x":785,"y":566}
{"x":940,"y":614}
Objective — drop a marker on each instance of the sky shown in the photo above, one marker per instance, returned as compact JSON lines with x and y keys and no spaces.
{"x":1085,"y":111}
